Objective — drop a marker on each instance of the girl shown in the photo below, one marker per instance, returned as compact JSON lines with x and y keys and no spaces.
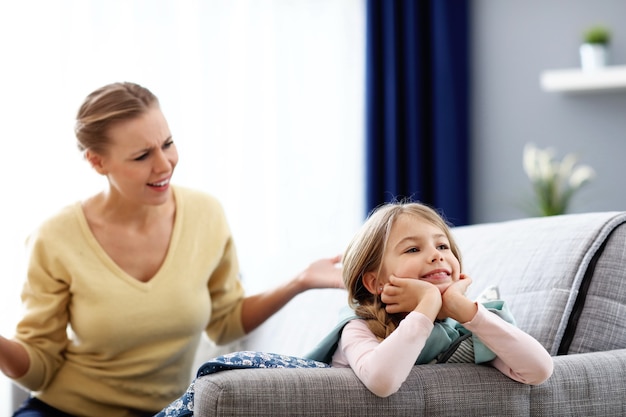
{"x":403,"y":274}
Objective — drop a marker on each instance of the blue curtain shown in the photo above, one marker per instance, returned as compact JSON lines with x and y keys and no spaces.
{"x":417,"y":88}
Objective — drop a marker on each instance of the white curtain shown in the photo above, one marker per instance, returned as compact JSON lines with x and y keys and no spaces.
{"x":264,"y":99}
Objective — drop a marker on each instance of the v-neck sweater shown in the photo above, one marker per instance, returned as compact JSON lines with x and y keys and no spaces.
{"x":102,"y":343}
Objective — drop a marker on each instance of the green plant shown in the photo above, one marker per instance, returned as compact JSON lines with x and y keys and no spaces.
{"x":554,"y":182}
{"x":598,"y":35}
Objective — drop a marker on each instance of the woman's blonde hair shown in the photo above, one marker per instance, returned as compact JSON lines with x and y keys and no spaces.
{"x":106,"y":106}
{"x":365,"y":253}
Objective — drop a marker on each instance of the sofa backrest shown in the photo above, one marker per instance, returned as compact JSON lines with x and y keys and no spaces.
{"x":564,"y":277}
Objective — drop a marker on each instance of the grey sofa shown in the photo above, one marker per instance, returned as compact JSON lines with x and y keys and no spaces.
{"x":564,"y":278}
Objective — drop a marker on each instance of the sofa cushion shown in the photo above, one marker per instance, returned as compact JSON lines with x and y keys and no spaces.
{"x":599,"y":324}
{"x":338,"y":392}
{"x":184,"y":406}
{"x":543,"y":266}
{"x":582,"y":385}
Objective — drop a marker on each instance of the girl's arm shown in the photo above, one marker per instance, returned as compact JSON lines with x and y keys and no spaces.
{"x":382,"y":366}
{"x":519,"y":355}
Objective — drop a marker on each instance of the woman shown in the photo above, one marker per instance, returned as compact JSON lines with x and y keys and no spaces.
{"x":121,"y":286}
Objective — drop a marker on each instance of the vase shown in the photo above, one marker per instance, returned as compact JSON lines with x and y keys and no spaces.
{"x":593,"y":56}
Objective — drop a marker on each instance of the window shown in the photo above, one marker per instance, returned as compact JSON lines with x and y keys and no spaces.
{"x":264,"y":99}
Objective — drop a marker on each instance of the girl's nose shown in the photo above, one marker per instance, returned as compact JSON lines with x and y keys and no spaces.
{"x":437,"y":256}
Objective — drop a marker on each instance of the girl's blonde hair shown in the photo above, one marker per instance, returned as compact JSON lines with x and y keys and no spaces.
{"x":365,"y":253}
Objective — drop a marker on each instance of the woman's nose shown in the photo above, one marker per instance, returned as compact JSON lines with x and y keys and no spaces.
{"x":161,"y":163}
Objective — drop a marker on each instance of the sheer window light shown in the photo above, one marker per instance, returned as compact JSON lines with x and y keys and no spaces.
{"x":264,"y":99}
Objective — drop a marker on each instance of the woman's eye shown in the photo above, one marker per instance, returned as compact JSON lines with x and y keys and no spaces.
{"x":141,"y":157}
{"x":168,"y":144}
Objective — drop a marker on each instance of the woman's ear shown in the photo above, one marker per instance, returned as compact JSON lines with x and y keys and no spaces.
{"x":370,"y":281}
{"x":96,"y":162}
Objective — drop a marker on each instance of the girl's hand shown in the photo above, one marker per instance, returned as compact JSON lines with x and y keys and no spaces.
{"x":323,"y":273}
{"x":403,"y":295}
{"x":454,"y":302}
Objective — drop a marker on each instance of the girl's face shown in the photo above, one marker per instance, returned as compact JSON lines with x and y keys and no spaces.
{"x":140,"y":159}
{"x":418,"y":249}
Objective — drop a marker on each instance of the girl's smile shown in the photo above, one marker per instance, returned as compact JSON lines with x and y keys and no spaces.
{"x":418,"y":249}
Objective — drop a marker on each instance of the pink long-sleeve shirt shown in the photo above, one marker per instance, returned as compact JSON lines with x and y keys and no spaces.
{"x":383,"y":366}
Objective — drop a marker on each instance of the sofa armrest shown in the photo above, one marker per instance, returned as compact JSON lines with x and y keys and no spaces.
{"x":584,"y":384}
{"x":587,"y":384}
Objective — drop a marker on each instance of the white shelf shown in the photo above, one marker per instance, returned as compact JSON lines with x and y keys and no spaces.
{"x":611,"y":78}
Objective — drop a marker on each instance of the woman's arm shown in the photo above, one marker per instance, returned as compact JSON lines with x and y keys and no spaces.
{"x":14,"y":360}
{"x":257,"y":308}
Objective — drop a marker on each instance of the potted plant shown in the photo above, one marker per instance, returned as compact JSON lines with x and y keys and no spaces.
{"x":554,"y":182}
{"x":594,"y":50}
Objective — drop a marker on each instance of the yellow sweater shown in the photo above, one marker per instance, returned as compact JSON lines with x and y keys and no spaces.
{"x":102,"y":343}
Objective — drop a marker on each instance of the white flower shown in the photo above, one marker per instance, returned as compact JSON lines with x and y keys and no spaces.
{"x":581,"y":176}
{"x":545,"y":168}
{"x":567,"y":165}
{"x":554,"y":182}
{"x":530,"y":161}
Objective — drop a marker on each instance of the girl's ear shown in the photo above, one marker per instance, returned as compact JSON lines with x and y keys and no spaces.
{"x":370,"y":282}
{"x":95,"y":160}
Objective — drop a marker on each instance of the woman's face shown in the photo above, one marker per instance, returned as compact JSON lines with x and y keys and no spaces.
{"x":140,"y":159}
{"x":418,"y":249}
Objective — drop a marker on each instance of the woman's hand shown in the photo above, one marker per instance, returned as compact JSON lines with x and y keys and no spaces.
{"x":14,"y":360}
{"x":454,"y":302}
{"x":403,"y":295}
{"x":323,"y":273}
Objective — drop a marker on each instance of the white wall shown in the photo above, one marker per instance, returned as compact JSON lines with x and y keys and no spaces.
{"x":512,"y":43}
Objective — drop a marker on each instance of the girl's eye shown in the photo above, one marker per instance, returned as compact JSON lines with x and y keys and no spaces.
{"x":141,"y":157}
{"x":412,"y":250}
{"x":443,"y":246}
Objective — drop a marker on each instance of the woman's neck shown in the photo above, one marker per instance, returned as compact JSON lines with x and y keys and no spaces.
{"x":112,"y":209}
